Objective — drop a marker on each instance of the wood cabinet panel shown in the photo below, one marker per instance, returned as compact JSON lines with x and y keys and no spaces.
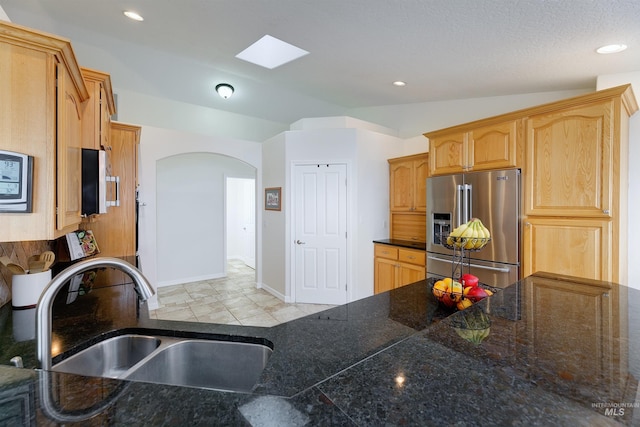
{"x":384,"y":275}
{"x":493,"y":146}
{"x":386,"y":251}
{"x":400,"y":183}
{"x":574,"y":247}
{"x":396,"y":266}
{"x":115,"y":231}
{"x":41,"y":91}
{"x":569,"y":162}
{"x":408,"y":197}
{"x":448,"y":153}
{"x":69,"y":154}
{"x":97,"y":110}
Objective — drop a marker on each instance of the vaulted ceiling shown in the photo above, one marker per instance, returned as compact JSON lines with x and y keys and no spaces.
{"x":442,"y":49}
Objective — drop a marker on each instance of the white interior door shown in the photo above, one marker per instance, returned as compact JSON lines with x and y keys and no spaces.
{"x":320,"y":236}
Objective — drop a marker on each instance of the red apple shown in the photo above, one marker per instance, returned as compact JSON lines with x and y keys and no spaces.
{"x":476,"y":293}
{"x":469,"y":280}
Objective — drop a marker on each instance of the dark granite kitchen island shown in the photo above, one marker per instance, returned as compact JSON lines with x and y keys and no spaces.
{"x":560,"y":352}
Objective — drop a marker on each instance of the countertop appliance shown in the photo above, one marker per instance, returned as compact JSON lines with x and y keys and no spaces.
{"x":494,"y":198}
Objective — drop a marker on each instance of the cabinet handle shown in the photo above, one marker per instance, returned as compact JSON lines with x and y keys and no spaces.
{"x":605,"y":211}
{"x":411,"y":257}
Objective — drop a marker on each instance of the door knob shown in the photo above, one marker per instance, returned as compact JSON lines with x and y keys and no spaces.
{"x":298,"y":242}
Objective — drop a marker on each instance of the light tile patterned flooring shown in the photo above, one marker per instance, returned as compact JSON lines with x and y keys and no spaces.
{"x":231,"y":300}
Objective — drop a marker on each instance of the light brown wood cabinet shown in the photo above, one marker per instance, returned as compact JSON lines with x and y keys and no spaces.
{"x":574,"y":159}
{"x":408,"y":197}
{"x":41,"y":93}
{"x":575,"y":200}
{"x":115,"y":231}
{"x":397,"y":266}
{"x":97,"y":111}
{"x":474,"y":147}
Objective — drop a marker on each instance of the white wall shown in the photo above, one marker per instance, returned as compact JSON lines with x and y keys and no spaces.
{"x":273,"y":228}
{"x":157,"y":144}
{"x":365,"y":153}
{"x":605,"y":82}
{"x":191,"y":214}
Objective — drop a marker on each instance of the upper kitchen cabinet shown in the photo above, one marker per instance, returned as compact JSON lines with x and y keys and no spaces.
{"x":576,"y":181}
{"x":97,"y":111}
{"x":408,"y":196}
{"x":474,"y":146}
{"x":41,"y":96}
{"x":115,"y":231}
{"x":571,"y":157}
{"x":408,"y":183}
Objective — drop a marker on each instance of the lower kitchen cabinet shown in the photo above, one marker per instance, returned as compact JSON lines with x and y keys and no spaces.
{"x":396,"y":266}
{"x":575,"y":247}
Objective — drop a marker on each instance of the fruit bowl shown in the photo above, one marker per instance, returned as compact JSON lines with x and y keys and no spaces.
{"x":466,"y":243}
{"x":455,"y":295}
{"x":470,"y":236}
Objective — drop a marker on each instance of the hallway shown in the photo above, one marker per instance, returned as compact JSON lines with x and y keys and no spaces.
{"x":231,"y":300}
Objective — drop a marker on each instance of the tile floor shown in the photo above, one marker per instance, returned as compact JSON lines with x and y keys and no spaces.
{"x":231,"y":300}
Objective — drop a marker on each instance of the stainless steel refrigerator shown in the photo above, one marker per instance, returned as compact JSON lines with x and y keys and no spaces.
{"x":494,"y":198}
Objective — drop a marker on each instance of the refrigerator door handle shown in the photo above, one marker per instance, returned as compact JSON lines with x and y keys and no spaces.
{"x":483,"y":267}
{"x":459,"y":207}
{"x":469,"y":204}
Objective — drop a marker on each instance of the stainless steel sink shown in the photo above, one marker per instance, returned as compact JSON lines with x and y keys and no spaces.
{"x":110,"y":358}
{"x":190,"y":362}
{"x":220,"y":365}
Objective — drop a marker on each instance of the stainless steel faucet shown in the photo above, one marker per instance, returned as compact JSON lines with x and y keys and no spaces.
{"x":43,"y":310}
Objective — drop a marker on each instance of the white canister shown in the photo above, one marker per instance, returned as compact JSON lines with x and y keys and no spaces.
{"x":27,"y":288}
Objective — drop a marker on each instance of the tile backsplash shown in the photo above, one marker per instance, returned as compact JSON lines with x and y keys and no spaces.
{"x":19,"y":253}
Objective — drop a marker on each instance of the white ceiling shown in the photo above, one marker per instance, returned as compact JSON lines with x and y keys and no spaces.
{"x":443,"y":49}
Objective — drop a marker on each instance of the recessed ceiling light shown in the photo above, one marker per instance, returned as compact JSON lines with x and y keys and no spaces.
{"x":270,"y":52}
{"x":133,"y":15}
{"x":611,"y":48}
{"x":399,"y":83}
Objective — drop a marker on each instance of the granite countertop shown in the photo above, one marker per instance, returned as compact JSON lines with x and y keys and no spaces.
{"x":411,"y":244}
{"x":558,"y":352}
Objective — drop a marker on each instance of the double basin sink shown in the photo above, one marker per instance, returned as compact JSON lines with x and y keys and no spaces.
{"x":191,"y":362}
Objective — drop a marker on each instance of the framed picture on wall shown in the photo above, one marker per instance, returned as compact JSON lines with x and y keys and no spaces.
{"x":273,"y":198}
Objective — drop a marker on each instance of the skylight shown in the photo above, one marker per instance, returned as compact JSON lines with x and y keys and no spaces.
{"x":270,"y":52}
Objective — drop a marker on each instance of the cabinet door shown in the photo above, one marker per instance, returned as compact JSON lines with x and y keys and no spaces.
{"x":574,"y":247}
{"x":421,"y":173}
{"x":409,"y":273}
{"x":493,"y":147}
{"x":69,"y":154}
{"x":401,"y":186}
{"x":384,"y":275}
{"x":569,"y":162}
{"x":115,"y":231}
{"x":448,"y":154}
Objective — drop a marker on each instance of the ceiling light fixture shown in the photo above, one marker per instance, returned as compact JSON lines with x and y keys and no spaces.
{"x":133,"y":15}
{"x":225,"y":90}
{"x":399,"y":83}
{"x":611,"y":48}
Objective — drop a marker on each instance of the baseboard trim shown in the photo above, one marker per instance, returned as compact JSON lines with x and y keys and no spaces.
{"x":185,"y":280}
{"x":273,"y":292}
